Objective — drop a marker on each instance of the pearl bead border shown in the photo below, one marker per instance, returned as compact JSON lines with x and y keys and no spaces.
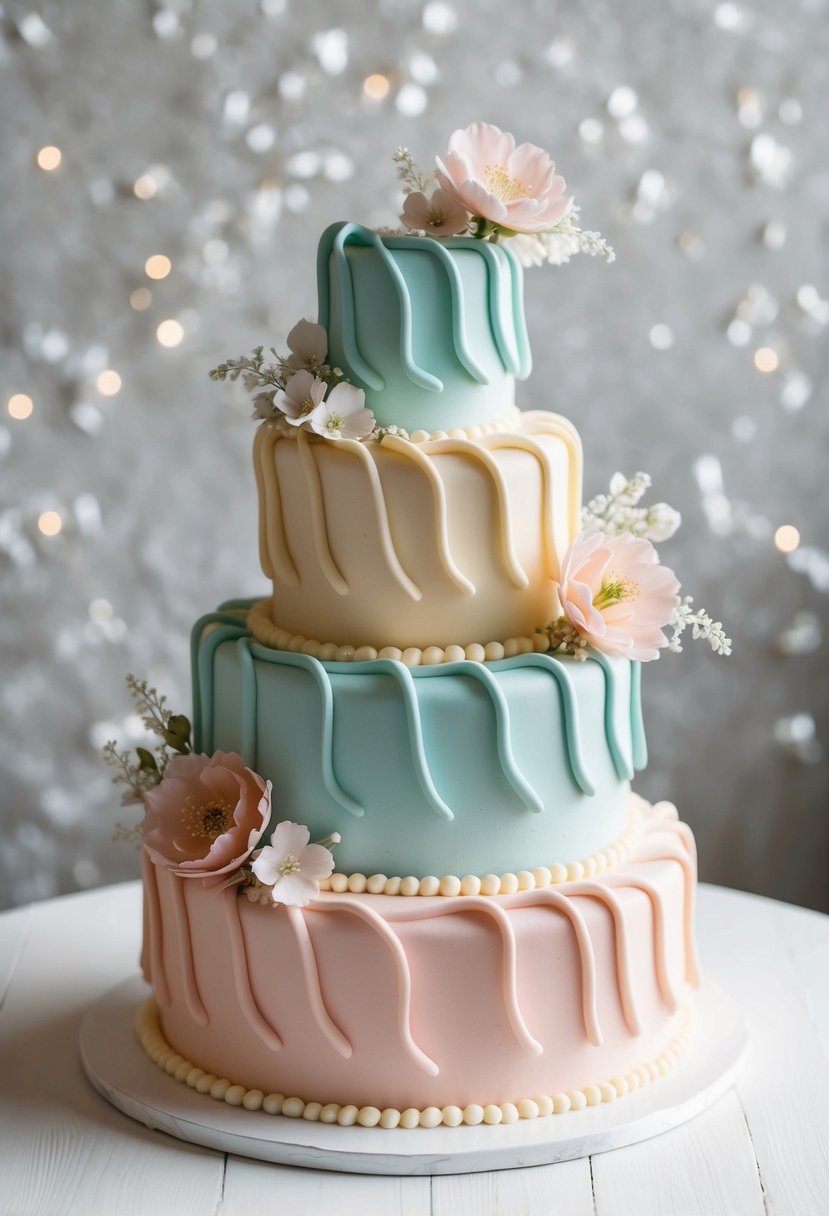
{"x":151,"y":1038}
{"x":509,"y":421}
{"x":275,"y":638}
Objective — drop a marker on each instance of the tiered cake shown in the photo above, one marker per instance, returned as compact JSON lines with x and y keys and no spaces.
{"x":509,"y":932}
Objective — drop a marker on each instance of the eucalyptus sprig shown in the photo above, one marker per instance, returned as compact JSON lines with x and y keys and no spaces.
{"x":410,"y":174}
{"x":143,"y":769}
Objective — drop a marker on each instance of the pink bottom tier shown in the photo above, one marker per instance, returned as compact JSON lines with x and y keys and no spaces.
{"x":395,"y":1002}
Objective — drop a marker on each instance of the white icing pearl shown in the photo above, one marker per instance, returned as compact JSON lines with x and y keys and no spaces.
{"x":526,"y":880}
{"x":527,"y":1109}
{"x":296,"y":643}
{"x":575,"y":871}
{"x":253,"y":1099}
{"x":357,"y":883}
{"x":470,"y":884}
{"x":510,"y":648}
{"x":329,"y":1112}
{"x":393,"y":885}
{"x":473,"y":1114}
{"x":509,"y":1112}
{"x":194,"y":1075}
{"x":492,"y":1114}
{"x":545,"y":1106}
{"x":493,"y":651}
{"x":219,"y":1088}
{"x":205,"y":1083}
{"x":438,"y":435}
{"x":432,"y":1116}
{"x":601,"y":860}
{"x":376,"y":884}
{"x":542,"y":876}
{"x":608,"y":1092}
{"x":589,"y":867}
{"x":312,"y":1111}
{"x":592,"y":1095}
{"x":339,"y":883}
{"x":474,"y":432}
{"x":182,"y":1070}
{"x":235,"y":1096}
{"x":429,"y":885}
{"x":643,"y":1073}
{"x":365,"y":654}
{"x":452,"y":1116}
{"x":390,"y":1117}
{"x":632,"y":1082}
{"x":293,"y":1108}
{"x":525,"y":645}
{"x":577,"y":1099}
{"x":561,"y":1104}
{"x":368,"y":1116}
{"x":431,"y":656}
{"x":391,"y":652}
{"x":281,"y":639}
{"x":419,"y":436}
{"x":312,"y":647}
{"x":411,"y":656}
{"x":490,"y":884}
{"x":454,"y":654}
{"x":457,"y":433}
{"x":620,"y":1085}
{"x":475,"y":653}
{"x":541,"y":643}
{"x":450,"y":885}
{"x":344,"y":654}
{"x":509,"y":884}
{"x":652,"y":1069}
{"x":410,"y":1117}
{"x":327,"y":651}
{"x":409,"y":885}
{"x":173,"y":1062}
{"x":347,"y":1116}
{"x":272,"y":1104}
{"x":558,"y":873}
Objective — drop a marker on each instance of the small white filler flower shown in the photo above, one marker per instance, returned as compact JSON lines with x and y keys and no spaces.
{"x":292,"y":867}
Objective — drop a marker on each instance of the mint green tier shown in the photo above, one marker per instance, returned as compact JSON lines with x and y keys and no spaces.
{"x":456,"y":768}
{"x":432,"y":330}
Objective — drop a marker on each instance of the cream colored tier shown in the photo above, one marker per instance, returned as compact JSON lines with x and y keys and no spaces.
{"x":401,"y":1003}
{"x":417,"y":543}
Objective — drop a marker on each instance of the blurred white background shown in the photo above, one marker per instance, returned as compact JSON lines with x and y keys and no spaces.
{"x":224,"y":138}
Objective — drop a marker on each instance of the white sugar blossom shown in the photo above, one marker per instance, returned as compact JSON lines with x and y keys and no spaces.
{"x":618,"y":512}
{"x":292,"y":867}
{"x":555,"y":246}
{"x":308,"y":344}
{"x":303,"y":393}
{"x":702,"y":628}
{"x":343,"y":414}
{"x":263,"y":405}
{"x":439,"y":215}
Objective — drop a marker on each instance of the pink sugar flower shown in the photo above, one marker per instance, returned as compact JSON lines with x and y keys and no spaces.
{"x":616,"y":595}
{"x":439,"y":215}
{"x":515,"y":188}
{"x":207,"y":815}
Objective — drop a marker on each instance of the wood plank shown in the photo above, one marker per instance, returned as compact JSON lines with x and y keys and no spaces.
{"x":706,"y":1167}
{"x":806,"y":937}
{"x":562,"y":1189}
{"x":14,"y":927}
{"x":290,"y":1191}
{"x":64,"y":1149}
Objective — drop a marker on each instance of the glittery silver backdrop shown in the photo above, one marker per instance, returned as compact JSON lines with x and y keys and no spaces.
{"x":224,"y":137}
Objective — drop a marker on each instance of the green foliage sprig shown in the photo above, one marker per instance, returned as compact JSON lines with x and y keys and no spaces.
{"x":143,"y":769}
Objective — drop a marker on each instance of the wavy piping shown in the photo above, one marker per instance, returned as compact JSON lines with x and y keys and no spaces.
{"x":241,"y":974}
{"x":203,"y":646}
{"x":623,"y":977}
{"x":509,"y":988}
{"x":310,"y":971}
{"x":332,"y":243}
{"x":412,"y":452}
{"x":517,"y":287}
{"x":395,"y":568}
{"x":323,"y":683}
{"x":274,"y":554}
{"x":465,"y":447}
{"x":562,"y":428}
{"x":525,"y":443}
{"x":622,"y":763}
{"x":250,"y":694}
{"x":497,"y":274}
{"x":660,"y":953}
{"x":181,"y":926}
{"x":640,"y":746}
{"x":318,"y":521}
{"x":688,"y":865}
{"x":403,"y":973}
{"x":158,"y":975}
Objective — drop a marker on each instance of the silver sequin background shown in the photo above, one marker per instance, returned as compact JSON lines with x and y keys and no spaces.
{"x":225,"y":137}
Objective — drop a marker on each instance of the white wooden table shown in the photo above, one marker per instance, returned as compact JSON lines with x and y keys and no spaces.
{"x":763,"y":1148}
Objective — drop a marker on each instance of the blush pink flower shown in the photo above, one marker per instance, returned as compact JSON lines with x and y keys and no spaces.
{"x":515,"y":188}
{"x":292,"y":867}
{"x":616,"y":595}
{"x":439,"y":215}
{"x":207,"y":815}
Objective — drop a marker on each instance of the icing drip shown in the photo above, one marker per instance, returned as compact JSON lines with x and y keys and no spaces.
{"x":310,"y":971}
{"x":208,"y":633}
{"x":640,"y":747}
{"x":157,"y":974}
{"x":522,"y":338}
{"x":274,"y":554}
{"x":181,"y":927}
{"x":466,"y":447}
{"x":660,"y":949}
{"x":621,"y":762}
{"x":241,"y":973}
{"x":249,"y":702}
{"x":597,"y":891}
{"x":541,"y":423}
{"x":524,"y":443}
{"x":402,"y":972}
{"x":499,"y":287}
{"x":682,"y":850}
{"x":144,"y":957}
{"x":312,"y":480}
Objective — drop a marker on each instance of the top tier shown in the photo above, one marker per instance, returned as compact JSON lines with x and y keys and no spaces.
{"x":433,"y":331}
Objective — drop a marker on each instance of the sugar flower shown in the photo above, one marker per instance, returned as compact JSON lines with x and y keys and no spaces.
{"x":343,"y":414}
{"x":616,"y":595}
{"x":511,"y":188}
{"x":308,"y":344}
{"x":440,"y":215}
{"x":301,"y":396}
{"x":207,"y":815}
{"x":292,"y":867}
{"x":544,"y":248}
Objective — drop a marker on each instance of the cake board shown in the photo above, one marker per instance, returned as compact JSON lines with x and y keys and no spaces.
{"x":117,"y":1067}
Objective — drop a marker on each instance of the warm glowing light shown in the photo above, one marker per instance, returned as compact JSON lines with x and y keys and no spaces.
{"x":108,"y":383}
{"x":49,"y":158}
{"x":786,"y":538}
{"x":141,"y":298}
{"x":20,"y":406}
{"x":49,"y":523}
{"x":376,"y":86}
{"x":145,"y":186}
{"x":158,"y":266}
{"x":766,"y":359}
{"x":170,"y":333}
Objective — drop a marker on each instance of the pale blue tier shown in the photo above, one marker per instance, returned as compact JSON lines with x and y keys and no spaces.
{"x":433,"y":330}
{"x":457,"y":768}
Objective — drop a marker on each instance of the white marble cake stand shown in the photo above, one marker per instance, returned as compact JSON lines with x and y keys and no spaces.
{"x":116,"y":1065}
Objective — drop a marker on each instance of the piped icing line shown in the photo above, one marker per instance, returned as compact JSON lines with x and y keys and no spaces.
{"x":623,"y":976}
{"x":622,"y":762}
{"x":528,"y":796}
{"x":526,"y":443}
{"x":144,"y":957}
{"x":522,"y":337}
{"x":208,"y":632}
{"x":499,"y":284}
{"x":310,"y":971}
{"x":332,"y":245}
{"x":181,"y":928}
{"x":640,"y":746}
{"x":683,"y":851}
{"x":249,"y":702}
{"x":158,"y":975}
{"x":406,"y":584}
{"x":660,"y":950}
{"x":323,"y":683}
{"x":509,"y":987}
{"x":540,"y":422}
{"x":241,"y":973}
{"x":402,"y":972}
{"x":411,"y":451}
{"x":222,"y":1089}
{"x":318,"y":521}
{"x":466,"y":447}
{"x":274,"y":554}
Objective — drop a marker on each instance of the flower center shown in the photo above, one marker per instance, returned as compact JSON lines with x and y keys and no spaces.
{"x":614,"y":590}
{"x":507,"y":189}
{"x":435,"y":216}
{"x":208,"y":821}
{"x":334,"y":423}
{"x":290,"y":865}
{"x":307,"y":407}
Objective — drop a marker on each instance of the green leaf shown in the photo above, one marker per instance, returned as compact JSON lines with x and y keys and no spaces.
{"x":179,"y":725}
{"x":146,"y":760}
